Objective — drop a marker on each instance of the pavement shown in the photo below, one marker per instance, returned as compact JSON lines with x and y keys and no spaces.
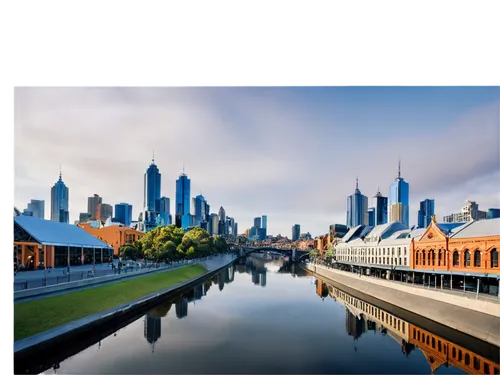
{"x":483,"y":326}
{"x":212,"y":264}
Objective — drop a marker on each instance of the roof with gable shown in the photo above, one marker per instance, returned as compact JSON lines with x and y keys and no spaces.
{"x":352,"y":233}
{"x":47,"y":232}
{"x":479,"y":228}
{"x":384,"y":231}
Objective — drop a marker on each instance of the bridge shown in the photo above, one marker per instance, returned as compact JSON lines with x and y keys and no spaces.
{"x":294,"y":254}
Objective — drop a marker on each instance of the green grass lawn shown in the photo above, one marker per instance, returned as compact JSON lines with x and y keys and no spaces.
{"x":41,"y":315}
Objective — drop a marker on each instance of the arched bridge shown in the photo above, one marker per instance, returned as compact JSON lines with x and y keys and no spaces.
{"x":294,"y":254}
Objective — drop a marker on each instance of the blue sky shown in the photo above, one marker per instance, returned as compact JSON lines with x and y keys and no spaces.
{"x":290,"y":153}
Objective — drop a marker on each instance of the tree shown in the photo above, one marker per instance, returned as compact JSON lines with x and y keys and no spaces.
{"x":314,"y":253}
{"x":129,"y":252}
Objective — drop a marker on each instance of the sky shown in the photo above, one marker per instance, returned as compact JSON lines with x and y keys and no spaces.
{"x":291,"y":153}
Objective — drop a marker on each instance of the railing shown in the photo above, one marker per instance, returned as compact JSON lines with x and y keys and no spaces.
{"x":427,"y":283}
{"x":76,"y":275}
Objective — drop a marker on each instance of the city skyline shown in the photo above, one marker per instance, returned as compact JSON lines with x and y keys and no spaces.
{"x":240,"y":147}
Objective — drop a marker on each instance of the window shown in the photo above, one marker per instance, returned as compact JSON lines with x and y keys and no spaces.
{"x":494,"y":258}
{"x":433,"y":343}
{"x":405,"y":262}
{"x":486,"y":368}
{"x":455,"y":259}
{"x":417,"y":254}
{"x":423,"y":257}
{"x":459,"y":355}
{"x":454,"y":352}
{"x":467,"y":359}
{"x":439,"y":345}
{"x":477,"y":364}
{"x":440,"y":257}
{"x":467,"y":258}
{"x":431,"y":257}
{"x":477,"y":258}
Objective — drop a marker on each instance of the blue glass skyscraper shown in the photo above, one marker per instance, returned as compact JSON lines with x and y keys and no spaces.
{"x":399,"y":200}
{"x":380,"y":206}
{"x":201,"y":210}
{"x":59,"y":202}
{"x":357,"y":208}
{"x":152,"y":188}
{"x":182,"y":198}
{"x":425,"y":213}
{"x":123,"y":213}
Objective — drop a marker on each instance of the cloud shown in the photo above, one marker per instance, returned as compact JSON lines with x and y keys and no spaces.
{"x":253,"y":150}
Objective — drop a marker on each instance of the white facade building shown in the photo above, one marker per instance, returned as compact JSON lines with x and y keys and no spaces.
{"x":386,"y":245}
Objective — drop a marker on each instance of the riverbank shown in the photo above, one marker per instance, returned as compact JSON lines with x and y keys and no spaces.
{"x":479,"y":319}
{"x":27,"y":345}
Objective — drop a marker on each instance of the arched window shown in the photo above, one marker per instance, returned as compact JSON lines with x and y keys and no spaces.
{"x":494,"y":258}
{"x":467,"y":258}
{"x":477,"y":258}
{"x":432,"y":258}
{"x":423,"y":257}
{"x":455,"y":258}
{"x":416,"y":257}
{"x":467,"y":359}
{"x":440,"y":258}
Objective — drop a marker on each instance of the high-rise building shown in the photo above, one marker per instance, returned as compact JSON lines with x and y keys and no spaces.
{"x":257,"y":222}
{"x":181,"y":308}
{"x":37,"y":208}
{"x":201,"y":210}
{"x":222,"y":221}
{"x":59,"y":202}
{"x":85,"y":217}
{"x":371,"y":216}
{"x":105,"y":211}
{"x":357,"y":208}
{"x":493,"y":213}
{"x":182,"y":197}
{"x":92,"y":205}
{"x":152,"y":188}
{"x":399,"y":197}
{"x":214,"y":224}
{"x":165,"y":211}
{"x":295,"y":232}
{"x":380,"y":206}
{"x":264,"y":221}
{"x":425,"y":213}
{"x":123,"y":213}
{"x":229,"y":226}
{"x":469,"y":212}
{"x":261,"y":233}
{"x":235,"y":231}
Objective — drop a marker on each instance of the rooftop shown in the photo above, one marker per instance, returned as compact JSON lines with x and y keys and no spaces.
{"x":47,"y":232}
{"x":479,"y":228}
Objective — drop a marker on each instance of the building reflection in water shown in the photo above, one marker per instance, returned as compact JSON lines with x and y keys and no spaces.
{"x":362,"y":317}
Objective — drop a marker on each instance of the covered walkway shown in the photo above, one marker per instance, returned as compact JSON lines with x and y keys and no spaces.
{"x":40,"y":244}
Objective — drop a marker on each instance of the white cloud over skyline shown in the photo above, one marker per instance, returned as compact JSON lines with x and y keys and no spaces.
{"x":293,"y":153}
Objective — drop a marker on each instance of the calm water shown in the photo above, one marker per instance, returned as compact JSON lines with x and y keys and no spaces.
{"x":264,"y":317}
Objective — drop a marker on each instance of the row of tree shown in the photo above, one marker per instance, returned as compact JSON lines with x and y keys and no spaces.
{"x":169,"y":243}
{"x":327,"y":255}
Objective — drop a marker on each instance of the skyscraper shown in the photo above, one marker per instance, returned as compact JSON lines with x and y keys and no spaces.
{"x":380,"y":206}
{"x":295,"y":232}
{"x":493,"y":213}
{"x":399,"y":196}
{"x":371,"y":216}
{"x":152,"y":188}
{"x":105,"y":211}
{"x":257,"y":222}
{"x":201,"y":210}
{"x":425,"y":213}
{"x":59,"y":202}
{"x":123,"y":213}
{"x":36,"y":208}
{"x":264,"y":221}
{"x":357,"y":208}
{"x":222,"y":221}
{"x":182,"y":198}
{"x":214,"y":224}
{"x":165,"y":210}
{"x":92,"y":205}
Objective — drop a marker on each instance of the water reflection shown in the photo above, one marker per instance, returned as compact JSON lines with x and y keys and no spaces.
{"x":281,"y":326}
{"x":363,"y":317}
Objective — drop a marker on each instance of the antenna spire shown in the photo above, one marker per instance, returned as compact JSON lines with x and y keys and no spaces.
{"x":399,"y":168}
{"x":153,"y":156}
{"x":60,"y":171}
{"x":182,"y":166}
{"x":356,"y":182}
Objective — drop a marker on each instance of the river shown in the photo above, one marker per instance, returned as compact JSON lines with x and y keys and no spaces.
{"x":266,"y":316}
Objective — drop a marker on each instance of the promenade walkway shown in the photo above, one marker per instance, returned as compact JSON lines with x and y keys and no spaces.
{"x":479,"y":319}
{"x":31,"y":343}
{"x":210,"y":263}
